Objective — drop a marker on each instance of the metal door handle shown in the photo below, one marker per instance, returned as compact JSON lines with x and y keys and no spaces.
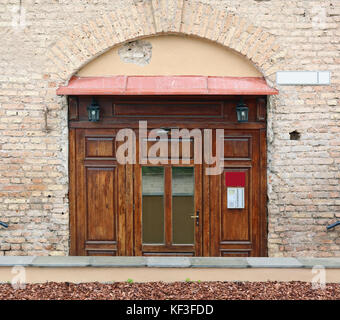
{"x":197,"y":217}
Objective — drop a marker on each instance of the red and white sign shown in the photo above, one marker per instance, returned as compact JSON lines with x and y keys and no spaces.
{"x":235,"y":183}
{"x":235,"y":179}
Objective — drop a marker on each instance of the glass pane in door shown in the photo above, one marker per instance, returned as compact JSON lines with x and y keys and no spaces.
{"x":153,"y":205}
{"x":183,"y":205}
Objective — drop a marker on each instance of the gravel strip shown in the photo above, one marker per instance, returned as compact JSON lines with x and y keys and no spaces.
{"x":171,"y":291}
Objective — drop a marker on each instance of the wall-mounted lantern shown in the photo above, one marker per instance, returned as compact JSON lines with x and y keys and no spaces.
{"x":93,"y":111}
{"x":242,"y":111}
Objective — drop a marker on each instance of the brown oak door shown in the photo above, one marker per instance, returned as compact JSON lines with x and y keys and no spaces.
{"x":168,"y":206}
{"x":237,"y":220}
{"x":94,"y":228}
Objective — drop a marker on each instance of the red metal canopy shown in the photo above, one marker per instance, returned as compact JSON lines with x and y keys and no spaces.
{"x":166,"y":85}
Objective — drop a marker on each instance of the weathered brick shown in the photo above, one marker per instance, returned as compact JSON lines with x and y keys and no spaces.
{"x":303,"y":176}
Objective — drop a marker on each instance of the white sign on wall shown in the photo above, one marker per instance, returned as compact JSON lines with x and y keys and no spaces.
{"x":303,"y":77}
{"x":235,"y":198}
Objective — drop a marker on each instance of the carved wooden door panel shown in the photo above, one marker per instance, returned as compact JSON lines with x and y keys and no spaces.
{"x":236,"y":216}
{"x":96,"y":177}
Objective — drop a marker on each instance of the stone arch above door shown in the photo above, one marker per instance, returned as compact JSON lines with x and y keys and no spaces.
{"x":141,"y":19}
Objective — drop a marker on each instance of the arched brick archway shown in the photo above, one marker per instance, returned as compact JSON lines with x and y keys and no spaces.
{"x":141,"y":19}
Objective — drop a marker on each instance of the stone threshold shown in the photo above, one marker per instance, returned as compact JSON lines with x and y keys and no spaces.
{"x":168,"y":262}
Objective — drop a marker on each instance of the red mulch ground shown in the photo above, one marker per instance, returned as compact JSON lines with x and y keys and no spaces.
{"x":170,"y":291}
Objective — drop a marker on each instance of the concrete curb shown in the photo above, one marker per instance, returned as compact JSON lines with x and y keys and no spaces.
{"x":218,"y":262}
{"x":118,"y":262}
{"x":328,"y":263}
{"x":10,"y":261}
{"x":165,"y":262}
{"x":60,"y":262}
{"x":169,"y":262}
{"x":274,"y":263}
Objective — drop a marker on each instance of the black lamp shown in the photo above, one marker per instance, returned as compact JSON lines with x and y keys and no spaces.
{"x":93,"y":111}
{"x":242,"y":111}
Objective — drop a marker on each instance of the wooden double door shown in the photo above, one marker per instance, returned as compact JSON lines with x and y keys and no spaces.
{"x":168,"y":209}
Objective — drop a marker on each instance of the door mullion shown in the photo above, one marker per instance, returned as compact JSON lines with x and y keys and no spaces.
{"x":137,"y":209}
{"x":168,"y":206}
{"x":198,"y":209}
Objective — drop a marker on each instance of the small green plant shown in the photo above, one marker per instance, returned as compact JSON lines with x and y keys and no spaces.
{"x":129,"y":280}
{"x":187,"y":280}
{"x":199,"y":281}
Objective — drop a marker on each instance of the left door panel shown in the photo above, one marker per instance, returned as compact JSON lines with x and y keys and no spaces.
{"x":94,"y":191}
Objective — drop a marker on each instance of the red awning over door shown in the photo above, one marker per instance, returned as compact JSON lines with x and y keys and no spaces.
{"x":166,"y":85}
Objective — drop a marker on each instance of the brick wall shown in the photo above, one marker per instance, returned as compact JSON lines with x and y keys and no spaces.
{"x":45,"y":42}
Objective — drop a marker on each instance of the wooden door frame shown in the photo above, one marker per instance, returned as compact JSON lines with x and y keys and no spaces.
{"x":72,"y":194}
{"x":126,"y":234}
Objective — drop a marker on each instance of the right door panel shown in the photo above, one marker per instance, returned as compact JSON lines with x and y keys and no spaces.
{"x":235,"y":208}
